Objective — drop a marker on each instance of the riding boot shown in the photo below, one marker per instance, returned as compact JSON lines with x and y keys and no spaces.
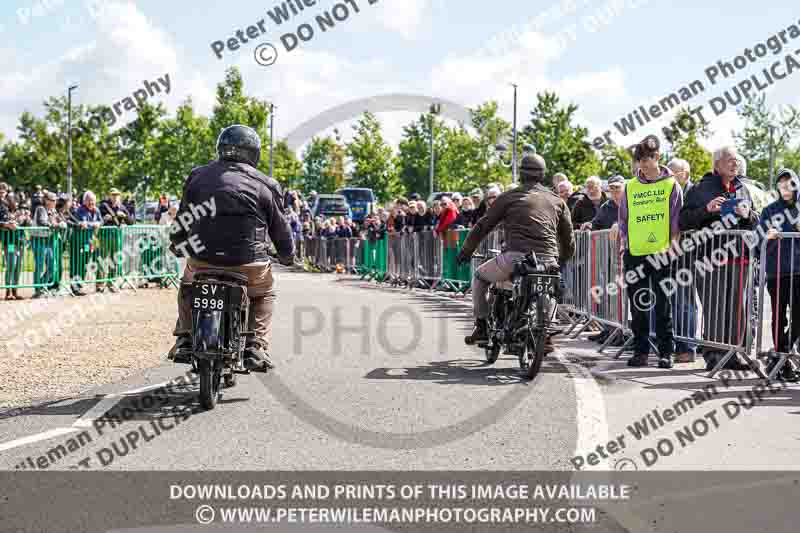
{"x":260,"y":324}
{"x":480,"y":332}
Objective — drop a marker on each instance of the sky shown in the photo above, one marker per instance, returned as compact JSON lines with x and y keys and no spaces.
{"x":606,"y":56}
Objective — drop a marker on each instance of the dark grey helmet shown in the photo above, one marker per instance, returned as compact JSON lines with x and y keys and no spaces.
{"x":532,"y":168}
{"x":239,"y":143}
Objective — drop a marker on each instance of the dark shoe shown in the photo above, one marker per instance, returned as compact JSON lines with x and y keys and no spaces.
{"x":479,"y":333}
{"x":37,"y":294}
{"x":99,"y":289}
{"x":181,"y":352}
{"x":638,"y":360}
{"x":113,"y":289}
{"x":256,"y":359}
{"x":711,"y":360}
{"x":735,"y":364}
{"x":665,"y":361}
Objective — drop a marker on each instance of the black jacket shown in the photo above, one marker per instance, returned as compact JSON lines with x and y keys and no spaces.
{"x":249,"y":211}
{"x":606,"y":216}
{"x":585,"y":210}
{"x":695,"y":216}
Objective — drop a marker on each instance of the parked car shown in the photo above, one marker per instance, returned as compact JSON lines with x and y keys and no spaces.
{"x":361,"y":201}
{"x":331,"y":205}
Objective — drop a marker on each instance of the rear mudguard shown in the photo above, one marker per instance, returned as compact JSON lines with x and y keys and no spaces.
{"x":208,"y":336}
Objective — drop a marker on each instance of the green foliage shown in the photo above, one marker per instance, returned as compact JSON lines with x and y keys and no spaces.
{"x":616,"y":160}
{"x":371,"y":159}
{"x":323,"y":165}
{"x":753,"y":142}
{"x":562,"y":144}
{"x":685,"y":141}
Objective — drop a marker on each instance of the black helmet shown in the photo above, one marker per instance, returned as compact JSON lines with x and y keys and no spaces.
{"x":532,"y":168}
{"x":239,"y":143}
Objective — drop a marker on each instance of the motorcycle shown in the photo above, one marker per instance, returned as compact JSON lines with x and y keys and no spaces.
{"x":521,"y":312}
{"x":220,"y":308}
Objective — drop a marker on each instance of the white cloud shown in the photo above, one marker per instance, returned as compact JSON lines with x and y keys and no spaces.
{"x":127,"y":49}
{"x":406,"y":17}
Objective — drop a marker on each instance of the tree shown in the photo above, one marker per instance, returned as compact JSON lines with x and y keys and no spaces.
{"x":753,"y":142}
{"x":288,"y":169}
{"x":371,"y":159}
{"x":323,"y":165}
{"x":685,"y":142}
{"x":491,"y":130}
{"x":184,"y":142}
{"x":616,"y":160}
{"x":562,"y":144}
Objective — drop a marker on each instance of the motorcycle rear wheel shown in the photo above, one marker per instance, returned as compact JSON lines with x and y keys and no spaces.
{"x":533,"y":352}
{"x":209,"y":383}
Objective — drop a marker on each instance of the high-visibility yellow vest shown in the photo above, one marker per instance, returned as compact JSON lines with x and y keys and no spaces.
{"x":648,"y":216}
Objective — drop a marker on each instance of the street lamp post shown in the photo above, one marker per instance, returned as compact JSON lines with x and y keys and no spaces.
{"x":69,"y":140}
{"x":271,"y":136}
{"x":435,"y":109}
{"x":771,"y":157}
{"x":514,"y":147}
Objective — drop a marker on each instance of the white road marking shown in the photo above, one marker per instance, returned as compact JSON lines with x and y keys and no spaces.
{"x":86,"y":420}
{"x":51,"y":434}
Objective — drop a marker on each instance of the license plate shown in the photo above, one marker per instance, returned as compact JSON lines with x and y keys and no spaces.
{"x":543,"y":283}
{"x":210,"y":297}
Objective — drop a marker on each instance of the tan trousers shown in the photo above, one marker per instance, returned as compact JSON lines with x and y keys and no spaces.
{"x":260,"y":291}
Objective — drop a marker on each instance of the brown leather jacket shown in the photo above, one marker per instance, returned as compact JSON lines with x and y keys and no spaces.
{"x":534,"y":218}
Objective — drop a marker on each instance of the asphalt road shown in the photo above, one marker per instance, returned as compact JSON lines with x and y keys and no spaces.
{"x":367,"y":378}
{"x":372,"y":378}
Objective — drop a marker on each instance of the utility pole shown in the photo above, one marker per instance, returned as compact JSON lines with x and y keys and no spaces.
{"x":771,"y":157}
{"x":435,"y":109}
{"x":271,"y":136}
{"x":69,"y":140}
{"x":514,"y":148}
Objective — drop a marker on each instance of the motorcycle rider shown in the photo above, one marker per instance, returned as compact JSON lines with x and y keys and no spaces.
{"x":247,"y":209}
{"x":534,"y":218}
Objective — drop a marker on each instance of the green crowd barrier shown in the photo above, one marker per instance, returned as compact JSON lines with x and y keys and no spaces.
{"x":30,"y":258}
{"x":50,"y":259}
{"x":455,"y":277}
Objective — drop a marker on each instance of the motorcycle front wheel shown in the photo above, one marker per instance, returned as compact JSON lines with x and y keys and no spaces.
{"x":209,"y":383}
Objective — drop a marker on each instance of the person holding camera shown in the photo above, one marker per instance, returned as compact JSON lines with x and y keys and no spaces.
{"x":721,"y":199}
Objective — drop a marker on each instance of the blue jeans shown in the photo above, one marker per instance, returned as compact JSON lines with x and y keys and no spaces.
{"x":685,"y":318}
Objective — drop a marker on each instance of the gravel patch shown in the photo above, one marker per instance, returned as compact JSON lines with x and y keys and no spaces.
{"x":63,"y":346}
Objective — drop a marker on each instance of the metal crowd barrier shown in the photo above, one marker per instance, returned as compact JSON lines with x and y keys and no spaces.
{"x":711,"y":284}
{"x":782,"y":285}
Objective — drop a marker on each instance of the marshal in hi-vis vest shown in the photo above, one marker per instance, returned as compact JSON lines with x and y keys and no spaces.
{"x":648,"y":216}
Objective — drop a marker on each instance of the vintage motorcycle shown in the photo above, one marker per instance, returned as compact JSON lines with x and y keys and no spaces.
{"x":220,"y":308}
{"x":521,"y":312}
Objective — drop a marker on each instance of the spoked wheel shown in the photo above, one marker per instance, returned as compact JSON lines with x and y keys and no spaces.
{"x":533,"y":350}
{"x":209,"y":383}
{"x":534,"y":355}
